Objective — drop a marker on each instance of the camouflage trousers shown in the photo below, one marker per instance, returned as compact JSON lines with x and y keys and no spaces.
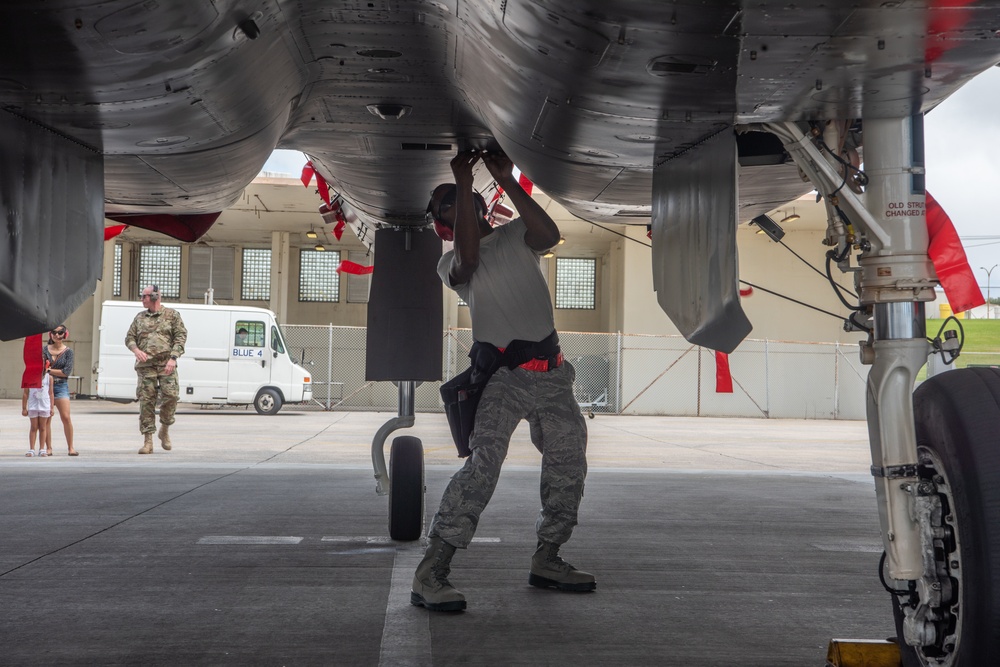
{"x":558,"y":431}
{"x":153,"y":380}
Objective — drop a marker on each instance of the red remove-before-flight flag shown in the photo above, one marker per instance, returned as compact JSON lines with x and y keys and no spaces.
{"x":347,"y":266}
{"x":952,"y":266}
{"x":723,"y":378}
{"x":34,"y":362}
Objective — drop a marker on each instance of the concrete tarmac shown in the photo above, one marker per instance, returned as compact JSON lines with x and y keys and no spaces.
{"x":261,"y":541}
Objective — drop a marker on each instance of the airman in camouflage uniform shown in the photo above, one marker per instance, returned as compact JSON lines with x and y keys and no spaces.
{"x":156,"y":338}
{"x":496,"y":271}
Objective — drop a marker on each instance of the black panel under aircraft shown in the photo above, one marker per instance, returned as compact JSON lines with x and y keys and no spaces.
{"x":51,"y":190}
{"x":405,"y":307}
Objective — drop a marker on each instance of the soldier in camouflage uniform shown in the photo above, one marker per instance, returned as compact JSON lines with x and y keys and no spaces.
{"x":496,"y":271}
{"x":156,"y":338}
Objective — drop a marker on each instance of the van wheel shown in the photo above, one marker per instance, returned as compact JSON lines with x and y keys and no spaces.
{"x":268,"y":402}
{"x":406,"y":489}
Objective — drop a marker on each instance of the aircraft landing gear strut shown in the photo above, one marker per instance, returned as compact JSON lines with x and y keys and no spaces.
{"x":935,"y":454}
{"x":403,"y":480}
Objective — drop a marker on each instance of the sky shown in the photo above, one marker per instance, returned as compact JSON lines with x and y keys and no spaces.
{"x":962,"y":137}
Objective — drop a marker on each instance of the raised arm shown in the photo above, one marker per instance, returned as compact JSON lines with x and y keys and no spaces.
{"x":542,"y":232}
{"x":466,"y":223}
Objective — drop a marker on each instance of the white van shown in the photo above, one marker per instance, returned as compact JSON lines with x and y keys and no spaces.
{"x":234,"y":355}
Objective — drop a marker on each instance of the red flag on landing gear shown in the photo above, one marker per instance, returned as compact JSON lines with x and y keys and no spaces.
{"x":946,"y":253}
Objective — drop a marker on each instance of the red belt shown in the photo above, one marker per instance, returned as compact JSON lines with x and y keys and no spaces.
{"x":542,"y":365}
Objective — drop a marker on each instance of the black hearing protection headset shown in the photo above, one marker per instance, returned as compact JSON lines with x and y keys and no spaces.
{"x":154,"y":295}
{"x":441,"y":228}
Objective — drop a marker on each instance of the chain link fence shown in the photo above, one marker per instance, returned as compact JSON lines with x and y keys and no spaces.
{"x":617,"y":374}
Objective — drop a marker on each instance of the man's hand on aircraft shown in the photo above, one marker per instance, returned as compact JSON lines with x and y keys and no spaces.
{"x":499,"y":166}
{"x":461,"y":167}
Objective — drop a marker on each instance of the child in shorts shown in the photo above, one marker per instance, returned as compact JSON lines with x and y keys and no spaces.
{"x":36,"y":405}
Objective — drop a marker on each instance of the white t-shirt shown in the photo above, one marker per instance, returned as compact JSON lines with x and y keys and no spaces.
{"x":38,"y":398}
{"x":507,"y":295}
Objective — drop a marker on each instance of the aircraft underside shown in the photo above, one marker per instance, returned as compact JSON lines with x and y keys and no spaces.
{"x":689,"y":117}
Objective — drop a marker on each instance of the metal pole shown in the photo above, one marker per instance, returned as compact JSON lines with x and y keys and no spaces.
{"x":699,"y":383}
{"x":767,"y":377}
{"x":618,"y":377}
{"x":329,"y":368}
{"x":988,"y":272}
{"x":836,"y":380}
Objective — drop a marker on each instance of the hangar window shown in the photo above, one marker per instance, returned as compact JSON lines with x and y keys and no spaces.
{"x":256,"y":274}
{"x":318,"y":277}
{"x":575,"y":283}
{"x":358,"y":286}
{"x":116,"y":281}
{"x":211,"y":267}
{"x":160,"y":265}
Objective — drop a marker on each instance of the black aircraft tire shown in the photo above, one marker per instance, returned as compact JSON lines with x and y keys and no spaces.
{"x":406,"y":489}
{"x":957,"y":417}
{"x":267,"y":402}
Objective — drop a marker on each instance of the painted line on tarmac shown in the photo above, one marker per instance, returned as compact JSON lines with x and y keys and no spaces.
{"x":406,"y":635}
{"x":382,"y":539}
{"x":249,"y":539}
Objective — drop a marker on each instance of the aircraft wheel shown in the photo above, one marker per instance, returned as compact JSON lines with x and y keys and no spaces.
{"x":268,"y":402}
{"x":957,"y":418}
{"x":406,"y":489}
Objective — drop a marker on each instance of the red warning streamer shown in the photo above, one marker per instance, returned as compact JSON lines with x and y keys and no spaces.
{"x":113,"y":231}
{"x":308,"y":172}
{"x":950,"y":263}
{"x":34,"y":362}
{"x":723,"y":378}
{"x":347,"y":266}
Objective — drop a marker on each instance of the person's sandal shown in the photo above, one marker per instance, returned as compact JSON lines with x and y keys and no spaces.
{"x":30,"y":453}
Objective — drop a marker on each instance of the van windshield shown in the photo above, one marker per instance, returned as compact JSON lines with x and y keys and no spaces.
{"x":277,"y":344}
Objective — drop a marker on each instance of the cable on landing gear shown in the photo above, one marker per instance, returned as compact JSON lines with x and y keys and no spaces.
{"x":951,"y":346}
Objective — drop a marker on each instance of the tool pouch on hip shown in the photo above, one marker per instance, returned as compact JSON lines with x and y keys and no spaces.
{"x":461,"y":394}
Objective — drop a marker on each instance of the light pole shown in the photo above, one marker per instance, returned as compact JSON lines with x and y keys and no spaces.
{"x":988,"y":272}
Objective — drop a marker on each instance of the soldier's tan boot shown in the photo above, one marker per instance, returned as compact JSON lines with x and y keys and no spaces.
{"x":549,"y":570}
{"x":165,"y":437}
{"x":431,"y":588}
{"x":147,"y":446}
